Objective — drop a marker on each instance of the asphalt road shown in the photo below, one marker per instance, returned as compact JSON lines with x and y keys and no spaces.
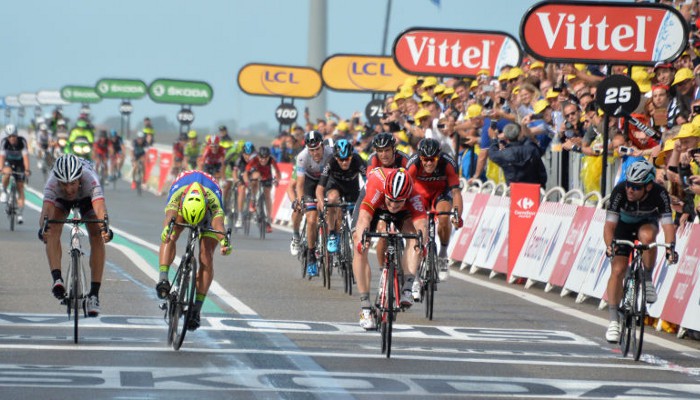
{"x":267,"y":333}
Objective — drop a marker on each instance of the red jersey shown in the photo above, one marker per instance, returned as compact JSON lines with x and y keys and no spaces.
{"x":213,"y":158}
{"x":374,"y":195}
{"x":429,"y":186}
{"x":400,"y":160}
{"x":178,"y":151}
{"x":101,"y":147}
{"x":264,"y":170}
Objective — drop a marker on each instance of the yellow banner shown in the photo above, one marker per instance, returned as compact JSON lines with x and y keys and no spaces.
{"x":359,"y":73}
{"x":280,"y":81}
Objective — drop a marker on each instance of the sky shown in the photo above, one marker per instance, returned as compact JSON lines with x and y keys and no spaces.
{"x":49,"y":44}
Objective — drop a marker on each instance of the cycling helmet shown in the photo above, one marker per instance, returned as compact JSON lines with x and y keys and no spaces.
{"x":68,"y":168}
{"x":313,"y":139}
{"x":342,"y":149}
{"x":192,"y":134}
{"x":193,"y":205}
{"x":398,"y":185}
{"x":140,"y":135}
{"x":640,"y":172}
{"x":222,"y":128}
{"x":384,"y":139}
{"x":148,"y":131}
{"x":103,"y":133}
{"x":43,"y":127}
{"x":81,"y":123}
{"x":264,"y":152}
{"x":10,"y":130}
{"x":213,"y":141}
{"x":248,"y":148}
{"x":113,"y":132}
{"x":428,"y":148}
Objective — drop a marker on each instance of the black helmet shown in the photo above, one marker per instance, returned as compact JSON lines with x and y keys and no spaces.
{"x":313,"y":139}
{"x":384,"y":139}
{"x":263,"y":152}
{"x":428,"y":148}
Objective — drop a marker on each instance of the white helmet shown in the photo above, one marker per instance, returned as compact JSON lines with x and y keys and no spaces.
{"x":68,"y":168}
{"x":10,"y":130}
{"x":640,"y":171}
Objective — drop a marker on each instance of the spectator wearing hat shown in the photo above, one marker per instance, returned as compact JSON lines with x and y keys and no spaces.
{"x":656,"y":108}
{"x":682,"y":167}
{"x":685,"y":87}
{"x":518,"y":157}
{"x":541,"y":124}
{"x":428,"y":86}
{"x":663,"y":74}
{"x":422,"y":123}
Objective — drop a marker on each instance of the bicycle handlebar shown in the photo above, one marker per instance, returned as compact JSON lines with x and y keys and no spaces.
{"x":400,"y":235}
{"x":173,"y":223}
{"x":640,"y":246}
{"x":74,"y":221}
{"x":452,"y":213}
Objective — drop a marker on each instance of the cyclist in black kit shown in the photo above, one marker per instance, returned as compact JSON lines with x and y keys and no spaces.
{"x":637,"y":206}
{"x":339,"y":178}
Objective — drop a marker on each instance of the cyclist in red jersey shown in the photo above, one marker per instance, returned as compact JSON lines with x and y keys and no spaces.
{"x":435,"y":178}
{"x":385,"y":153}
{"x":179,"y":163}
{"x":101,"y":149}
{"x":212,"y":159}
{"x":390,"y":198}
{"x":259,"y":168}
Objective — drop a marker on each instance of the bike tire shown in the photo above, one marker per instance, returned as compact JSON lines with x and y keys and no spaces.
{"x":303,"y":251}
{"x":76,"y":295}
{"x":12,"y":205}
{"x":431,"y":274}
{"x":391,"y":303}
{"x":627,"y":324}
{"x":186,"y":298}
{"x":262,"y":218}
{"x":321,"y":248}
{"x":173,"y":309}
{"x":640,"y":303}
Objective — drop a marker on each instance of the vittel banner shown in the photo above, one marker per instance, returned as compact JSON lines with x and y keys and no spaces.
{"x":447,"y":52}
{"x":603,"y":32}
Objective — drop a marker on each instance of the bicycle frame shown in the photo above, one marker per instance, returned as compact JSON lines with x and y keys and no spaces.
{"x":343,"y":258}
{"x":428,"y":270}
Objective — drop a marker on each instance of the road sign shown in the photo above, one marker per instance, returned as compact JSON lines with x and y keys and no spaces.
{"x":121,"y":88}
{"x":374,"y":111}
{"x":286,"y":114}
{"x":80,"y":94}
{"x":125,"y":108}
{"x":50,"y":98}
{"x":185,"y":116}
{"x":171,"y":91}
{"x":618,"y":91}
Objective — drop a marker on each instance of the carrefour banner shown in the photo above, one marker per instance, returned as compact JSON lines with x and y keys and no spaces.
{"x":280,"y":81}
{"x":362,"y":73}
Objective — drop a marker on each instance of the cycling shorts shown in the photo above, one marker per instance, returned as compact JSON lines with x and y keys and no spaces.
{"x":624,"y":231}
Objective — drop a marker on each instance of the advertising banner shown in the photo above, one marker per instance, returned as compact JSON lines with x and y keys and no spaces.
{"x":471,"y":217}
{"x":150,"y":162}
{"x":603,"y":32}
{"x":280,"y":192}
{"x":524,"y":203}
{"x":362,"y":73}
{"x":571,"y":246}
{"x":80,"y":94}
{"x":451,"y":52}
{"x":172,"y":91}
{"x":665,"y":274}
{"x":166,"y":163}
{"x":685,"y":280}
{"x":280,"y":81}
{"x":121,"y":88}
{"x":490,"y":235}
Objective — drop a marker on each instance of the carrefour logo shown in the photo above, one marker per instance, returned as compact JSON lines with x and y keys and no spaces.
{"x":158,"y":90}
{"x":526,"y":203}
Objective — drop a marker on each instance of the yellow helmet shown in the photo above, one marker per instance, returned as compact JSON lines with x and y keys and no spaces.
{"x":192,"y":134}
{"x":193,"y":205}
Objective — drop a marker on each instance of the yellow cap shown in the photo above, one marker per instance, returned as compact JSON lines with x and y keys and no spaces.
{"x":474,"y":110}
{"x":503,"y":76}
{"x":660,"y":160}
{"x":580,"y":67}
{"x":540,"y":106}
{"x":516,"y":90}
{"x":688,"y":130}
{"x":537,"y":64}
{"x":411,"y":81}
{"x":484,"y":72}
{"x":422,"y":113}
{"x":448,"y":91}
{"x":682,"y":74}
{"x":429,"y":81}
{"x":473,"y":85}
{"x":515,"y":73}
{"x":551,"y":94}
{"x":342,"y":126}
{"x":192,"y":134}
{"x":426,"y":98}
{"x":393,"y":106}
{"x":439,"y":89}
{"x":642,"y":78}
{"x":455,"y":96}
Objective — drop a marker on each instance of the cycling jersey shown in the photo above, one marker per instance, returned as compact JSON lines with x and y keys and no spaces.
{"x":81,"y":132}
{"x":139,"y":149}
{"x":213,"y":160}
{"x":374,"y":197}
{"x":43,"y":138}
{"x":400,"y":160}
{"x":345,"y":181}
{"x":14,"y":153}
{"x":116,"y":142}
{"x":101,"y":147}
{"x":178,"y":151}
{"x":655,"y":206}
{"x":89,"y":191}
{"x":192,"y":153}
{"x":264,"y":170}
{"x":310,"y":168}
{"x":211,"y":189}
{"x":437,"y":184}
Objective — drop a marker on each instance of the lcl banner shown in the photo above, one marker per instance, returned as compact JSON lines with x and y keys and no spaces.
{"x":280,"y":81}
{"x":603,"y":32}
{"x":449,"y":52}
{"x":362,"y":73}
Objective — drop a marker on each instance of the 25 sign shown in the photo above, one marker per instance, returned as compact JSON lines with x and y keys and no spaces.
{"x":618,"y":91}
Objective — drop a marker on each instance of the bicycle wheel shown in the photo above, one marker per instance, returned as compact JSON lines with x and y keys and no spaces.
{"x":138,"y":178}
{"x":321,"y":248}
{"x":391,"y":310}
{"x":429,"y":283}
{"x":246,"y":215}
{"x":262,"y":218}
{"x":185,"y":300}
{"x":75,"y":292}
{"x":640,"y":310}
{"x":627,"y":325}
{"x":303,"y":250}
{"x":12,"y":204}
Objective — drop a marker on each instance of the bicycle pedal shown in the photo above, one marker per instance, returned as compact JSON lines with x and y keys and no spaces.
{"x":163,"y":306}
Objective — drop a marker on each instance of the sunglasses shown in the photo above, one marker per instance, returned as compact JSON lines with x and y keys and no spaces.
{"x":571,"y":114}
{"x":634,"y":186}
{"x":429,"y":159}
{"x":395,"y":201}
{"x":343,"y":159}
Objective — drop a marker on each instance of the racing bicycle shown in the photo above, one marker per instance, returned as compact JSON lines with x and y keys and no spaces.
{"x":342,"y":259}
{"x":179,"y":303}
{"x":11,"y":207}
{"x":76,"y":281}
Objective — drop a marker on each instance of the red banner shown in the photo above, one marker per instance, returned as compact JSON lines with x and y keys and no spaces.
{"x":524,"y":202}
{"x":166,"y":162}
{"x":281,"y":189}
{"x":572,"y":244}
{"x":684,"y":282}
{"x":151,"y":159}
{"x":471,"y":222}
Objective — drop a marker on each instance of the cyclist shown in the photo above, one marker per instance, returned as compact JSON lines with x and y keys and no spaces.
{"x":636,"y":208}
{"x":138,"y":153}
{"x":82,"y":129}
{"x":385,"y":153}
{"x":192,"y":149}
{"x":212,"y":159}
{"x":116,"y":155}
{"x":297,"y":214}
{"x":339,"y":178}
{"x":101,"y":149}
{"x":195,"y":199}
{"x":45,"y":141}
{"x":246,"y":155}
{"x":259,"y":169}
{"x":309,"y":165}
{"x":179,"y":155}
{"x":232,"y":154}
{"x":148,"y":131}
{"x":224,"y":137}
{"x":390,"y":198}
{"x":75,"y":184}
{"x":14,"y":159}
{"x":435,"y":177}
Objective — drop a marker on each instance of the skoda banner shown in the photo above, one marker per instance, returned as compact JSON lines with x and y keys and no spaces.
{"x":80,"y":94}
{"x":194,"y":93}
{"x":50,"y":98}
{"x":524,"y":202}
{"x":362,"y":73}
{"x":121,"y":88}
{"x":280,"y":81}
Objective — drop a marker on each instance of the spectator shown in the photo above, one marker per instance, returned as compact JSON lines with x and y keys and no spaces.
{"x":519,"y":159}
{"x":684,"y":85}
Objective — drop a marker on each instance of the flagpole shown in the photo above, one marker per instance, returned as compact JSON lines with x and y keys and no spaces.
{"x":386,"y":26}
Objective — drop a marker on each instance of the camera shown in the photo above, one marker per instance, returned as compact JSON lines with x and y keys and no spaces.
{"x":624,"y":150}
{"x":696,"y":109}
{"x":568,"y":125}
{"x":494,"y":125}
{"x":410,"y":121}
{"x":537,"y":116}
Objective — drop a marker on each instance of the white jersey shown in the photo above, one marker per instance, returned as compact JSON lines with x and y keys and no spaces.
{"x":310,"y":168}
{"x":89,"y":187}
